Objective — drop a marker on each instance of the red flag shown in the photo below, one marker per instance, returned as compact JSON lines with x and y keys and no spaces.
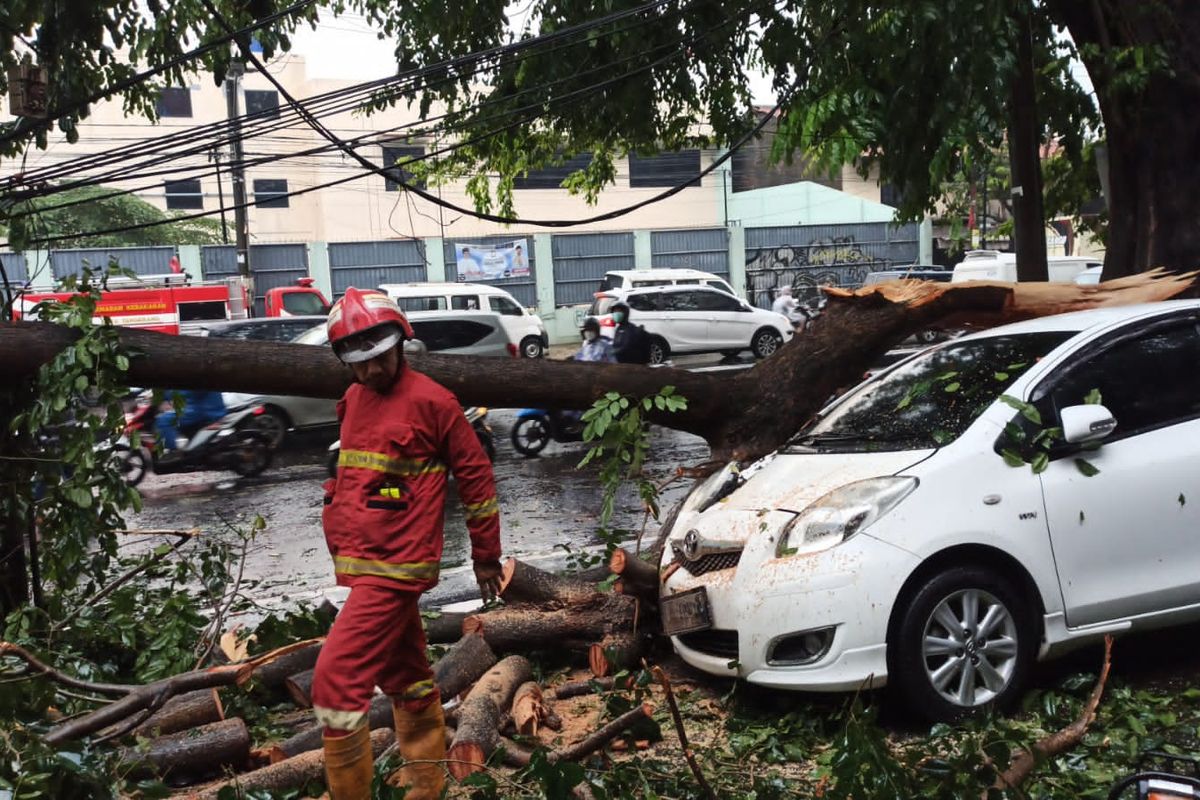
{"x":176,"y":267}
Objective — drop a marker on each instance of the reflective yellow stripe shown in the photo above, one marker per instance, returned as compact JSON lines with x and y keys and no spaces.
{"x":405,"y":467}
{"x":340,"y":720}
{"x":485,"y":509}
{"x":418,"y":690}
{"x":419,"y":571}
{"x":392,"y":491}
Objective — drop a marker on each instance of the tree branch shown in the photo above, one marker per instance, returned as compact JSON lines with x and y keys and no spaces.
{"x":36,"y":666}
{"x":679,"y":729}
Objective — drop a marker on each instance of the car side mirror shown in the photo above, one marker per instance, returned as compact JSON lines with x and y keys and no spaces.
{"x":746,"y":306}
{"x":1086,"y":423}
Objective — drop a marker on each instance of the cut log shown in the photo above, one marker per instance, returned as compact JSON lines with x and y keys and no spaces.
{"x":521,"y":583}
{"x":273,"y":675}
{"x":479,"y":719}
{"x":636,"y":573}
{"x":292,"y":773}
{"x":202,"y":751}
{"x":299,"y":688}
{"x":184,"y":712}
{"x":522,"y":628}
{"x":580,"y":688}
{"x":528,"y":710}
{"x":614,"y":653}
{"x":454,"y":672}
{"x":445,"y":628}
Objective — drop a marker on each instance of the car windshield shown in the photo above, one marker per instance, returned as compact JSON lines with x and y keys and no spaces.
{"x":930,"y":400}
{"x":303,"y":304}
{"x":314,"y":335}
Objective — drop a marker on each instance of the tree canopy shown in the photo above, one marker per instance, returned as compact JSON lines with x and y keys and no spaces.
{"x":920,"y":88}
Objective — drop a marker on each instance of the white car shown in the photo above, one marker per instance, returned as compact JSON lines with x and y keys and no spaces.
{"x":695,"y":319}
{"x":889,"y":542}
{"x":433,"y":300}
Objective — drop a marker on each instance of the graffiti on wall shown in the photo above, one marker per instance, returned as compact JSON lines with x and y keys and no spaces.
{"x":838,"y":261}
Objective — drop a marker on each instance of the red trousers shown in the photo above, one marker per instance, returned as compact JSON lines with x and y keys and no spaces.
{"x":376,"y":640}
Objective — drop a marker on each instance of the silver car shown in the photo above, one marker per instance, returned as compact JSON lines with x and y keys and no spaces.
{"x":470,"y":334}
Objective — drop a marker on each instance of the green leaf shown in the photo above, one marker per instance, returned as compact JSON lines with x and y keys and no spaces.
{"x":1000,"y":376}
{"x":1086,"y":467}
{"x":1027,"y":410}
{"x":1039,"y":463}
{"x":1012,"y":458}
{"x":1092,"y":398}
{"x":952,"y":387}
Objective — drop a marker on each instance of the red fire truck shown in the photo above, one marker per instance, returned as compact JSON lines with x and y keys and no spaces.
{"x":169,"y":303}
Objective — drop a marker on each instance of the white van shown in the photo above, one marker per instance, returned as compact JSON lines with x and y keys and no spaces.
{"x":641,"y":278}
{"x":419,"y":300}
{"x":992,"y":265}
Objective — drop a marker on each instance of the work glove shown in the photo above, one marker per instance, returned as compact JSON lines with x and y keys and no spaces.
{"x":487,"y":575}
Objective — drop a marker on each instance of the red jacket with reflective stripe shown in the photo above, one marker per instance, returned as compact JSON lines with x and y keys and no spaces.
{"x":385,"y":509}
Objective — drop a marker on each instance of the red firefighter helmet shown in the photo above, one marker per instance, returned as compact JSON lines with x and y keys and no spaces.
{"x":364,"y":324}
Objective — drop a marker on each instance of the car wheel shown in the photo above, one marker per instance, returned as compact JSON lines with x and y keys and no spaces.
{"x":659,"y":350}
{"x":530,"y":436}
{"x":531,"y":347}
{"x":253,"y":454}
{"x":133,"y":465}
{"x":272,"y":424}
{"x":765,"y":343}
{"x":966,"y":642}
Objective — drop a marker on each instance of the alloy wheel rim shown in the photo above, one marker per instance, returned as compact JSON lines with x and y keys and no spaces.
{"x":533,"y":434}
{"x":766,"y":344}
{"x":969,"y":647}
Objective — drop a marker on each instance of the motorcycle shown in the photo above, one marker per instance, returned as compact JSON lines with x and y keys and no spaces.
{"x":536,"y":427}
{"x":228,"y":443}
{"x":476,"y":415}
{"x":1160,"y":776}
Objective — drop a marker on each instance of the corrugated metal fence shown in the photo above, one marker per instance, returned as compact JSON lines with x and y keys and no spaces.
{"x":524,"y":288}
{"x":581,"y":259}
{"x":14,"y":268}
{"x":697,"y":248}
{"x":808,"y":256}
{"x":370,"y":264}
{"x":141,"y":260}
{"x":272,"y":265}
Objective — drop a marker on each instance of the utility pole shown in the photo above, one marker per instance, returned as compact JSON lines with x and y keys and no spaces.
{"x":216,"y":157}
{"x":1024,"y":144}
{"x":237,"y":169}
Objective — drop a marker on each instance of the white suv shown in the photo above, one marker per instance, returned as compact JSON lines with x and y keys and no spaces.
{"x":986,"y":503}
{"x":695,"y":319}
{"x":433,"y":299}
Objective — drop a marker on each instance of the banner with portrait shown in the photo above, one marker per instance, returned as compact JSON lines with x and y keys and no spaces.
{"x":492,"y":262}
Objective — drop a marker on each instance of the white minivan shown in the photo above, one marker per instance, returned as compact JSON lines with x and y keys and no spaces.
{"x":524,"y":328}
{"x":992,"y":265}
{"x":667,"y":276}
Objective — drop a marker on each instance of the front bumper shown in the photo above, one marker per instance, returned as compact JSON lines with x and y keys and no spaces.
{"x":850,"y":588}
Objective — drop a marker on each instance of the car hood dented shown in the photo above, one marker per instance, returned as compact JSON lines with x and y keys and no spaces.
{"x":791,"y":482}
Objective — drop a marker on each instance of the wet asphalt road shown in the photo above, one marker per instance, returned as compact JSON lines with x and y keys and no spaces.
{"x":546,"y":505}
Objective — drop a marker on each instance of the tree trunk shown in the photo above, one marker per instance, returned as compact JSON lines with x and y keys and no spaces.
{"x":202,"y":751}
{"x":14,"y":484}
{"x":521,"y":583}
{"x":478,"y":731}
{"x":184,"y":712}
{"x":445,"y":628}
{"x":299,"y":688}
{"x":273,"y":675}
{"x":614,"y":653}
{"x":741,"y":417}
{"x":638,"y":576}
{"x":1025,"y":153}
{"x":1153,"y":132}
{"x":292,"y":773}
{"x":525,"y":628}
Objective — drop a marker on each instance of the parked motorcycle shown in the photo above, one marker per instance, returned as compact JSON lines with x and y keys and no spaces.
{"x":536,"y":427}
{"x":476,"y":415}
{"x":228,"y":443}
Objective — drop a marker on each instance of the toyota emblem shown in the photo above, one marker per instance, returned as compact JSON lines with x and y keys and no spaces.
{"x":691,"y":544}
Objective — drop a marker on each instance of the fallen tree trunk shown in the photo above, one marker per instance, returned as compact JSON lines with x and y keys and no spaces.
{"x":299,"y":688}
{"x":445,"y":628}
{"x":639,"y":578}
{"x":273,"y":675}
{"x":183,"y":712}
{"x":453,"y":673}
{"x":744,"y":416}
{"x":614,"y":653}
{"x":478,"y":731}
{"x":521,"y":583}
{"x":202,"y":751}
{"x":525,"y":628}
{"x":291,"y":773}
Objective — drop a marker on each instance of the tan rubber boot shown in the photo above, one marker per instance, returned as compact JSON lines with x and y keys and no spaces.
{"x":349,"y":767}
{"x":420,"y":736}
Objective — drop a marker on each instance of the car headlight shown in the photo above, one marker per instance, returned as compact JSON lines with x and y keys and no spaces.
{"x":847,"y":510}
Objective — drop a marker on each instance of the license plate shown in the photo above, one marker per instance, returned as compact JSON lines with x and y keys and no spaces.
{"x":685,"y":612}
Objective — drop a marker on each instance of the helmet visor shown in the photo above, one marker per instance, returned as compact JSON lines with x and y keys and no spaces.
{"x":368,"y":344}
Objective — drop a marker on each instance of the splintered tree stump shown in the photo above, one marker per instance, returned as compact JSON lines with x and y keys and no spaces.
{"x":201,"y":751}
{"x":614,"y":653}
{"x":481,"y":714}
{"x":528,"y":709}
{"x":292,"y":773}
{"x":462,"y":665}
{"x":637,"y":574}
{"x":521,"y":583}
{"x":445,"y":628}
{"x":273,"y":675}
{"x":524,"y":628}
{"x":299,"y":688}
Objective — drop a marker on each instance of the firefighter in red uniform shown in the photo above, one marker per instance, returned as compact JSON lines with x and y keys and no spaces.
{"x":383,"y":518}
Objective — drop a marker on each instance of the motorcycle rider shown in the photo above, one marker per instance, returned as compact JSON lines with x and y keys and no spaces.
{"x":199,"y":409}
{"x":595,"y":347}
{"x":631,"y":343}
{"x":400,"y":434}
